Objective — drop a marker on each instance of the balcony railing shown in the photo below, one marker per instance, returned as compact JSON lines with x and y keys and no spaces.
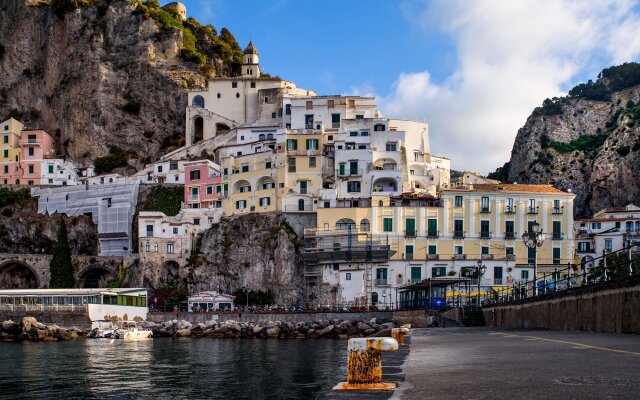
{"x":458,"y":234}
{"x":557,"y":236}
{"x":510,"y":210}
{"x":587,"y":250}
{"x":433,"y":257}
{"x":532,"y":210}
{"x":486,"y":256}
{"x":193,"y":197}
{"x":298,"y":207}
{"x":382,"y":282}
{"x":459,"y":256}
{"x":510,"y":235}
{"x":308,"y":125}
{"x":485,"y":210}
{"x":557,"y":210}
{"x":410,"y":233}
{"x":433,"y":234}
{"x":485,"y":235}
{"x":408,"y":256}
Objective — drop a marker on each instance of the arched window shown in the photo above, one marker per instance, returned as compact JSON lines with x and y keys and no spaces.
{"x":365,"y":225}
{"x":346,"y":223}
{"x":147,"y":247}
{"x":380,"y":203}
{"x":269,"y":135}
{"x":155,"y":247}
{"x":374,"y":298}
{"x":141,"y":246}
{"x":198,"y":101}
{"x":261,"y":136}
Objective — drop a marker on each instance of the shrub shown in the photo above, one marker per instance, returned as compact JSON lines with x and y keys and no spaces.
{"x":550,"y":107}
{"x":116,"y":159}
{"x":587,"y":143}
{"x":591,"y":91}
{"x":10,"y":197}
{"x":61,"y":7}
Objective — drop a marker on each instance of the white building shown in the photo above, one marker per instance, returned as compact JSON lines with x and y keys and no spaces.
{"x":58,"y":172}
{"x":163,"y":172}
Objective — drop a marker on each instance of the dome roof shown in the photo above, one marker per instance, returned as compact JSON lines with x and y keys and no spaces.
{"x":250,"y":49}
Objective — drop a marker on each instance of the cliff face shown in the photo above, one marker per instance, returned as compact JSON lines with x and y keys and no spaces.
{"x":588,"y":142}
{"x":23,"y":230}
{"x":103,"y":74}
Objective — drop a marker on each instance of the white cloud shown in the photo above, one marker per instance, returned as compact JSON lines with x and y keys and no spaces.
{"x":511,"y":56}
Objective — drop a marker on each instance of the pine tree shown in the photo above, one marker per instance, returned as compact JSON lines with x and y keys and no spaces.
{"x":60,"y":266}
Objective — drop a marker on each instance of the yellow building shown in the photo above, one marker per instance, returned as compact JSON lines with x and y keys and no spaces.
{"x":10,"y":149}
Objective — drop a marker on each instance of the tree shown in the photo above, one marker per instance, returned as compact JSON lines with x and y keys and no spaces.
{"x":60,"y":265}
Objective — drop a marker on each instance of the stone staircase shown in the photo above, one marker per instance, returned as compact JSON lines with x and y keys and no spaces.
{"x":471,"y":316}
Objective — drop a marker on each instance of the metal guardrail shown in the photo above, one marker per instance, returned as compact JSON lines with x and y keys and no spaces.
{"x":613,"y":266}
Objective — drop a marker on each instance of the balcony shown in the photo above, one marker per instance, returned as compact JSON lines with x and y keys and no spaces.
{"x":308,"y":152}
{"x":486,"y":256}
{"x":485,"y":210}
{"x":382,"y":282}
{"x":193,"y":197}
{"x":408,"y":256}
{"x":433,"y":234}
{"x":308,"y":125}
{"x":433,"y":257}
{"x":349,"y":172}
{"x":532,"y":210}
{"x":459,"y":256}
{"x":298,"y":207}
{"x":485,"y":235}
{"x":557,"y":210}
{"x":410,"y":233}
{"x":458,"y":234}
{"x":557,"y":236}
{"x":510,"y":210}
{"x":584,"y":251}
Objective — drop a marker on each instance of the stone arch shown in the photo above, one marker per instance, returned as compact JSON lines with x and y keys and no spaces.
{"x":198,"y":129}
{"x":222,"y":128}
{"x":365,"y":225}
{"x":96,"y":276}
{"x":15,"y":274}
{"x":240,"y":184}
{"x":198,"y":101}
{"x":346,"y":223}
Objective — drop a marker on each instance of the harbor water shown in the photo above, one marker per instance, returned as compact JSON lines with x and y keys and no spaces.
{"x":172,"y":368}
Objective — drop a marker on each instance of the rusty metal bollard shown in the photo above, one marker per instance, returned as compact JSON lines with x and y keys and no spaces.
{"x":399,"y":334}
{"x":364,"y":364}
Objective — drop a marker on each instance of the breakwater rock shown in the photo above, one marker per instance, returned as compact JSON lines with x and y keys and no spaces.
{"x":32,"y":330}
{"x":326,"y":329}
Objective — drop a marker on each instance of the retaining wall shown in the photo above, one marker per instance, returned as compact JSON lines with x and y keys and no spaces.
{"x":612,"y":310}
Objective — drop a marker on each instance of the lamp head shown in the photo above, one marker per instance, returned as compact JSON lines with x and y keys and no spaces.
{"x":525,"y":237}
{"x":483,"y":269}
{"x":536,"y":227}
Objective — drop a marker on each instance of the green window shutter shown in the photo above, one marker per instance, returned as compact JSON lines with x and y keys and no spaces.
{"x":432,"y":227}
{"x":432,"y":249}
{"x":416,"y":273}
{"x":388,"y":224}
{"x":410,"y":225}
{"x":556,"y":255}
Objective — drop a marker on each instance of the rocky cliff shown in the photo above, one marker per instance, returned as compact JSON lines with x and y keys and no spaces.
{"x":106,"y":76}
{"x":23,"y":230}
{"x":587,"y":142}
{"x":256,"y":252}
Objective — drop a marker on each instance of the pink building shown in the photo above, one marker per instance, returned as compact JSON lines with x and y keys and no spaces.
{"x":36,"y":147}
{"x":202,"y":184}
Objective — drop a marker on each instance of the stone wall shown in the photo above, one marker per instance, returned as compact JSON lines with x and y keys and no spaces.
{"x":613,"y":310}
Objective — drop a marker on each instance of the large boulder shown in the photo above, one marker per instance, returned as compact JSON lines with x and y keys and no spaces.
{"x":183,"y":332}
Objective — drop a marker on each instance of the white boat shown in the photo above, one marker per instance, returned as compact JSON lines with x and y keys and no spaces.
{"x":102,"y":329}
{"x":131,"y":331}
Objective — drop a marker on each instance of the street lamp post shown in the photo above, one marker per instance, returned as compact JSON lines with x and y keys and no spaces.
{"x":481,"y":269}
{"x":534,"y":240}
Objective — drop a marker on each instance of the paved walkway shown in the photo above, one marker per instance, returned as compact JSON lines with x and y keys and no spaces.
{"x":486,"y":363}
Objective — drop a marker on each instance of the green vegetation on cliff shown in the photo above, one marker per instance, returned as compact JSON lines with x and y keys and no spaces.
{"x":10,"y":197}
{"x":586,"y":143}
{"x":117,"y":158}
{"x":165,"y":199}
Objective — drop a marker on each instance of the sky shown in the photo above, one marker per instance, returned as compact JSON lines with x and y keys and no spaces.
{"x":474,"y":70}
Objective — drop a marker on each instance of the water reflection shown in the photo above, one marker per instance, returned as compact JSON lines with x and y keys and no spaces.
{"x":173,"y":368}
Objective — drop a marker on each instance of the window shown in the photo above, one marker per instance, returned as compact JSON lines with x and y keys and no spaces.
{"x":336,"y":267}
{"x":408,"y":252}
{"x":170,"y":248}
{"x":524,"y":274}
{"x":365,"y":225}
{"x":484,"y":250}
{"x":556,"y":255}
{"x":175,"y":231}
{"x":484,"y":230}
{"x":438,"y":272}
{"x":330,"y":103}
{"x":557,"y":230}
{"x":287,"y":109}
{"x":50,"y":166}
{"x":608,"y":245}
{"x":497,"y":275}
{"x":292,"y":144}
{"x":508,"y":230}
{"x":267,"y":165}
{"x":509,"y":206}
{"x":584,"y":247}
{"x":31,"y":151}
{"x":596,"y":225}
{"x":196,"y":221}
{"x":484,"y":204}
{"x":308,"y":105}
{"x":353,"y":186}
{"x":6,"y":138}
{"x":347,"y":276}
{"x":458,"y":250}
{"x":381,"y":276}
{"x":194,"y":175}
{"x":6,"y":169}
{"x":292,"y":164}
{"x":312,"y":162}
{"x":6,"y":153}
{"x":209,"y":189}
{"x":335,"y":120}
{"x":364,"y":133}
{"x":303,"y":187}
{"x":245,"y":189}
{"x":308,"y":121}
{"x":312,"y":144}
{"x":234,"y":85}
{"x":159,"y":168}
{"x":410,"y":227}
{"x":155,"y":247}
{"x":359,"y":116}
{"x":245,"y":167}
{"x":432,"y":249}
{"x":240,"y":204}
{"x":253,"y":85}
{"x":265,"y":201}
{"x":458,"y":201}
{"x":378,"y":127}
{"x":31,"y":169}
{"x":532,"y":206}
{"x":509,"y":251}
{"x":458,"y":228}
{"x":432,"y":227}
{"x":147,"y":247}
{"x":391,"y":146}
{"x":387,"y":224}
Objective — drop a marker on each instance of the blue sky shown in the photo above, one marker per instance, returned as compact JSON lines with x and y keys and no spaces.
{"x":473,"y":69}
